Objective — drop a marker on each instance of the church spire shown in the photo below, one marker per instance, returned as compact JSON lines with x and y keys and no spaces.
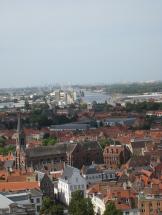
{"x":20,"y":144}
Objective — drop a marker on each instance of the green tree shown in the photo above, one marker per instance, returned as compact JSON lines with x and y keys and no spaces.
{"x":57,"y":209}
{"x":107,"y":141}
{"x":50,"y":208}
{"x":112,"y":210}
{"x":83,"y":106}
{"x":80,"y":205}
{"x":49,"y":141}
{"x":4,"y":150}
{"x":2,"y":141}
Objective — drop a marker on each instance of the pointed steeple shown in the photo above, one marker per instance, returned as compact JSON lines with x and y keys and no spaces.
{"x":20,"y":144}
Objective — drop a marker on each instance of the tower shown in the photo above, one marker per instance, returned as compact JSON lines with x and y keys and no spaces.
{"x":20,"y":145}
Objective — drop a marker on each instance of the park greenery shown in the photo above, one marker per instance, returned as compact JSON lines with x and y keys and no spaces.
{"x":4,"y":150}
{"x":2,"y":141}
{"x":143,"y":106}
{"x":112,"y":210}
{"x":49,"y":141}
{"x":134,"y":88}
{"x":51,"y":208}
{"x":139,"y":107}
{"x":127,"y":88}
{"x":80,"y":205}
{"x":107,"y":142}
{"x":102,"y":107}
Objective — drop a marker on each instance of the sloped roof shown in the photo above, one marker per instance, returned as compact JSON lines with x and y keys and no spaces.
{"x":9,"y":164}
{"x":5,"y":202}
{"x":58,"y":148}
{"x":68,"y":172}
{"x":70,"y":126}
{"x":89,"y":145}
{"x":12,"y":186}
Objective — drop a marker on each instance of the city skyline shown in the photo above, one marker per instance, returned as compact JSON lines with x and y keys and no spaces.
{"x":79,"y":42}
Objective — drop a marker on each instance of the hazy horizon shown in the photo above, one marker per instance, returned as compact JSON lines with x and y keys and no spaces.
{"x":79,"y":42}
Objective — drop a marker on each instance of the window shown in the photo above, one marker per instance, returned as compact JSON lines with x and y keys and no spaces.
{"x":71,"y":187}
{"x":32,"y":200}
{"x":38,"y":208}
{"x":38,"y":200}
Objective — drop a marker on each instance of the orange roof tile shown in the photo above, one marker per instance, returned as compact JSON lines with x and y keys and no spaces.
{"x":13,"y":186}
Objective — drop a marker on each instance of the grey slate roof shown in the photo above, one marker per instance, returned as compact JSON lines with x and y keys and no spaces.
{"x":140,"y":143}
{"x":89,"y":145}
{"x":70,"y":126}
{"x":127,"y":121}
{"x":9,"y":164}
{"x":5,"y":202}
{"x":68,"y":172}
{"x":90,"y":170}
{"x":36,"y":192}
{"x":58,"y":148}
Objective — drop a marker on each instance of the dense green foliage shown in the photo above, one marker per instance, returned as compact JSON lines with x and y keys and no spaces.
{"x":102,"y":107}
{"x":107,"y":141}
{"x":129,"y":88}
{"x":39,"y":117}
{"x":2,"y":141}
{"x":134,"y":88}
{"x":80,"y":205}
{"x":50,"y":208}
{"x":112,"y":210}
{"x":143,"y":106}
{"x":49,"y":141}
{"x":44,"y":117}
{"x":5,"y":150}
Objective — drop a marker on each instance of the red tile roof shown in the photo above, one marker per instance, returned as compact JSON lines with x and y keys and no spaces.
{"x":13,"y":186}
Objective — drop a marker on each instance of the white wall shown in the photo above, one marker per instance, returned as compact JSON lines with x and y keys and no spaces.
{"x":66,"y":187}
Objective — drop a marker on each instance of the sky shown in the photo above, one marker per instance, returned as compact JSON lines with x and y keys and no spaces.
{"x":79,"y":41}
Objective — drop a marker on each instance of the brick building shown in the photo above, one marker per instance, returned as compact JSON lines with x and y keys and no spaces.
{"x":75,"y":154}
{"x":116,"y":155}
{"x":150,"y":204}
